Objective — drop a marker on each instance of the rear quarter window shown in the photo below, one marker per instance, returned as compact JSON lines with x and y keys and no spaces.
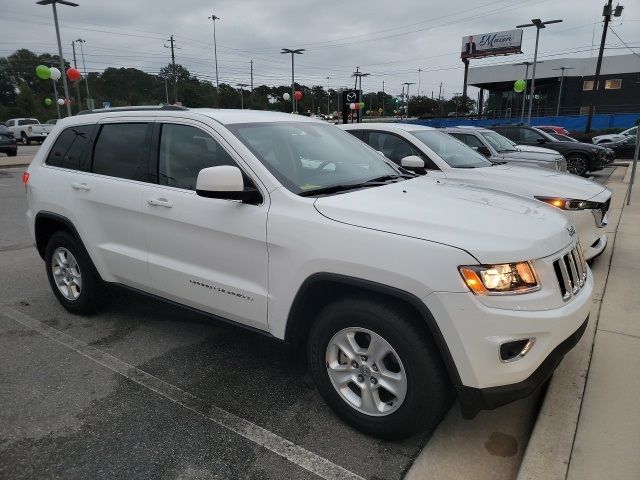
{"x":70,"y":149}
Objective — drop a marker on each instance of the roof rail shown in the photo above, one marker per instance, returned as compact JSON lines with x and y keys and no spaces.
{"x":143,"y":108}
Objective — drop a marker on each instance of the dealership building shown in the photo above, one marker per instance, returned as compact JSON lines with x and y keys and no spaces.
{"x":618,"y":91}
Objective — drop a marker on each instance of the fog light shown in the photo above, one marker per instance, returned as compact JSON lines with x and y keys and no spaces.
{"x":512,"y":351}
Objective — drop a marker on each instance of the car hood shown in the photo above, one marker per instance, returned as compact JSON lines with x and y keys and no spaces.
{"x":528,"y":182}
{"x":492,"y":226}
{"x":530,"y":148}
{"x":548,"y":156}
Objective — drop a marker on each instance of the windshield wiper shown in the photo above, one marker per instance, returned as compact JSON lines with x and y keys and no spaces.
{"x":352,"y":186}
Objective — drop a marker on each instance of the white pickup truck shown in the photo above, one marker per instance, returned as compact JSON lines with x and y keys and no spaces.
{"x":28,"y":129}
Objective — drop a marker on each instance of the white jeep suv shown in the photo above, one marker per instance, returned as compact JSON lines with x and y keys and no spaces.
{"x":402,"y":290}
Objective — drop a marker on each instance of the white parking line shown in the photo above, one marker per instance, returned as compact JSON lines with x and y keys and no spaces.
{"x":296,"y":454}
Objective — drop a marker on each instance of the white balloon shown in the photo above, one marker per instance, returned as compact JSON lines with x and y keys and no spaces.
{"x":286,"y":96}
{"x":55,"y":73}
{"x":61,"y":101}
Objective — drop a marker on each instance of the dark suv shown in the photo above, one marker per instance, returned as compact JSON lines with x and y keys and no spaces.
{"x":581,"y":157}
{"x":8,"y":143}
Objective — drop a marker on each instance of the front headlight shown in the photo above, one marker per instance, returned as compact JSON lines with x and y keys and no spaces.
{"x":500,"y":279}
{"x":569,"y":203}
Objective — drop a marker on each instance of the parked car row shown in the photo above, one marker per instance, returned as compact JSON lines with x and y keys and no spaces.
{"x":403,"y":288}
{"x":584,"y":201}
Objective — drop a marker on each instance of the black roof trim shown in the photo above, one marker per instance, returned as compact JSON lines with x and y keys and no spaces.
{"x":135,"y":109}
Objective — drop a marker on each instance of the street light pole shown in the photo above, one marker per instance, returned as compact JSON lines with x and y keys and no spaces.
{"x":526,"y":80}
{"x":407,"y":109}
{"x":213,"y":18}
{"x":293,"y":52}
{"x":419,"y":75}
{"x":539,"y":24}
{"x":62,"y":69}
{"x":84,"y":67}
{"x":561,"y":84}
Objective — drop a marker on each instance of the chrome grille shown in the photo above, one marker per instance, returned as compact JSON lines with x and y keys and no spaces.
{"x":571,"y":272}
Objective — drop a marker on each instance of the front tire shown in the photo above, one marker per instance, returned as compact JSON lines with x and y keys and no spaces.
{"x":577,"y":164}
{"x":72,"y":276}
{"x":377,"y":370}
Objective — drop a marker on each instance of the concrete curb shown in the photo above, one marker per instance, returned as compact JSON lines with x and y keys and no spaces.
{"x":9,"y":162}
{"x":550,"y":446}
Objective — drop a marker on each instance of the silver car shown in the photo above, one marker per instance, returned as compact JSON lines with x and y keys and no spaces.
{"x":499,"y":148}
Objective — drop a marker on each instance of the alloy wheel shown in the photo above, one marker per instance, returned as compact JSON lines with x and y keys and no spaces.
{"x":66,"y":273}
{"x":366,"y":371}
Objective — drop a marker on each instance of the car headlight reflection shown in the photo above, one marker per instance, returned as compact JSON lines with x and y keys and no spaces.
{"x":501,"y":278}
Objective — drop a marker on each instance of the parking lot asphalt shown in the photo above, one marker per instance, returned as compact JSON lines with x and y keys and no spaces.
{"x":147,"y":390}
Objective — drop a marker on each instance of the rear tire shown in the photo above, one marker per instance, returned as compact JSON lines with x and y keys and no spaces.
{"x":419,"y":391}
{"x":72,"y":276}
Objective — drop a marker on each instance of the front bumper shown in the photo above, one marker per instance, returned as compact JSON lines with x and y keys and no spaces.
{"x":473,"y":400}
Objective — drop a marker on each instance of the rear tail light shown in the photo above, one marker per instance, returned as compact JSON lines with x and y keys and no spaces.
{"x":25,"y":179}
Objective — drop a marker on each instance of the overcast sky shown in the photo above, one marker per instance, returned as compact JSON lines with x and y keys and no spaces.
{"x":389,"y":39}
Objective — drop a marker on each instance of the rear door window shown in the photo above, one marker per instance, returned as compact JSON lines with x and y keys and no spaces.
{"x":71,"y":148}
{"x":28,"y":121}
{"x":122,"y":151}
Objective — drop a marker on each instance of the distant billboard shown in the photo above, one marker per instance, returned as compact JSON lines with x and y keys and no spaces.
{"x":490,"y":44}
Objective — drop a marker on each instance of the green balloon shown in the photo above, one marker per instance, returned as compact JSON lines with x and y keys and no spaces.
{"x":519,"y":86}
{"x":43,"y":72}
{"x":48,"y":102}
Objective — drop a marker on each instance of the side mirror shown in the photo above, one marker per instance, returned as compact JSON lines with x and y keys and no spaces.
{"x":483,"y":150}
{"x":541,"y":140}
{"x":225,"y":182}
{"x":413,"y":163}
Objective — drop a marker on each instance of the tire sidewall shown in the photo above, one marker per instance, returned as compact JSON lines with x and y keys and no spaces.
{"x":420,"y":370}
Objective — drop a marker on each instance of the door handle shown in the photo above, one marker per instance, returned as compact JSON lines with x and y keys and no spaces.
{"x":80,"y":186}
{"x":160,"y":202}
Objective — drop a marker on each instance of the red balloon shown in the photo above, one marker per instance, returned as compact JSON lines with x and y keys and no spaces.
{"x":297,"y":95}
{"x":73,"y":74}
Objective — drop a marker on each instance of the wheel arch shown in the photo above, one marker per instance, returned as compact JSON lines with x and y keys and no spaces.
{"x":320,"y":289}
{"x":46,"y":224}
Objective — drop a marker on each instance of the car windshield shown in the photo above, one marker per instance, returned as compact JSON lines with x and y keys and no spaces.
{"x":497,"y":141}
{"x":306,"y":157}
{"x":546,"y":135}
{"x":563,"y":138}
{"x":452,"y":151}
{"x":28,"y":121}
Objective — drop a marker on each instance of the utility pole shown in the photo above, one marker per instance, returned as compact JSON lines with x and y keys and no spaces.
{"x":251,"y":94}
{"x":539,"y":24}
{"x":419,"y":75}
{"x":213,"y":18}
{"x":84,"y":67}
{"x":328,"y":96}
{"x":75,"y":65}
{"x":293,"y":52}
{"x":62,"y":69}
{"x":242,"y":85}
{"x":383,"y":95}
{"x":175,"y":73}
{"x":561,"y":84}
{"x":606,"y":13}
